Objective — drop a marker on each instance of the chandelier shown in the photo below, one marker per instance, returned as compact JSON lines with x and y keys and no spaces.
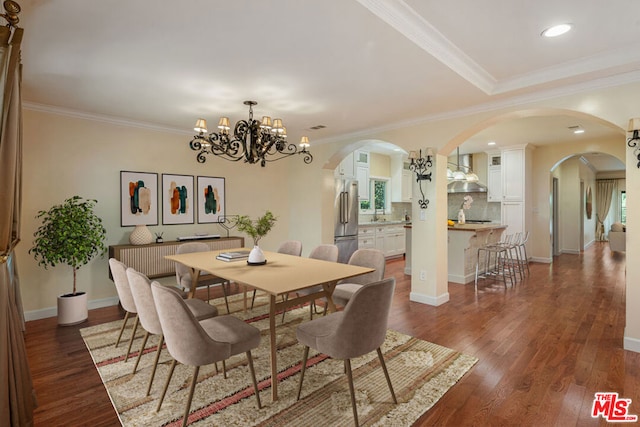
{"x":252,"y":141}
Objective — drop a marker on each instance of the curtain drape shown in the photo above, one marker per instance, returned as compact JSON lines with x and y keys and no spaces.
{"x":604,"y":193}
{"x":17,"y":397}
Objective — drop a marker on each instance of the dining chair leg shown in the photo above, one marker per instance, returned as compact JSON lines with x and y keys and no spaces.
{"x":190,"y":398}
{"x":166,"y":384}
{"x":155,"y":363}
{"x":224,"y":370}
{"x":386,"y":375}
{"x":253,"y":377}
{"x":144,"y":342}
{"x":305,"y":355}
{"x":124,"y":323}
{"x":224,"y":292}
{"x":253,"y":298}
{"x":133,"y":335}
{"x":347,"y":366}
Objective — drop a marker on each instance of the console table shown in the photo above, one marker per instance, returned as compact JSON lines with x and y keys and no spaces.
{"x":150,"y":259}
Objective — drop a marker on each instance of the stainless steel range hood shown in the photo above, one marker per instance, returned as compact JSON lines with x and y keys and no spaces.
{"x":464,"y":185}
{"x":460,"y":186}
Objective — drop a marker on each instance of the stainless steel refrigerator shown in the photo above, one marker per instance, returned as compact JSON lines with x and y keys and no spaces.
{"x":346,"y":218}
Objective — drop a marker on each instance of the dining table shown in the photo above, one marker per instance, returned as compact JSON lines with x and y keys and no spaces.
{"x":280,"y":278}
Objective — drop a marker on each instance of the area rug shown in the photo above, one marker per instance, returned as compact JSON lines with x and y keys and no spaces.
{"x":421,"y":373}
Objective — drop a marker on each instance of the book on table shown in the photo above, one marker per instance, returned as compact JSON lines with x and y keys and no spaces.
{"x":233,"y":255}
{"x":221,"y":258}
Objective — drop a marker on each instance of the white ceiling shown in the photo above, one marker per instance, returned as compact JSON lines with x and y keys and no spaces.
{"x":349,"y":65}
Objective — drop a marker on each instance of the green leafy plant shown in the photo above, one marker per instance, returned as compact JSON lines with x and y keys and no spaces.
{"x":256,"y":229}
{"x":71,"y":234}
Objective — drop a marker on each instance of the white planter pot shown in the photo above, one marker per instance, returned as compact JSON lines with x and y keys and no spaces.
{"x":256,"y":255}
{"x":72,"y":309}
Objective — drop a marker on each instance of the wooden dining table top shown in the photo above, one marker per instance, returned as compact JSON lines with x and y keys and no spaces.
{"x":281,"y":274}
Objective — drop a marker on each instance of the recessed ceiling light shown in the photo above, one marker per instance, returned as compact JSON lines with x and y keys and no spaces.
{"x":491,"y":143}
{"x":556,"y":30}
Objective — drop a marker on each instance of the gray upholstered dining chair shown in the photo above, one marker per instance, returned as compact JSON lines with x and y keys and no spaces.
{"x":201,"y":343}
{"x":183,"y":273}
{"x":289,"y":247}
{"x":323,"y":252}
{"x":357,"y":330}
{"x":119,"y":274}
{"x":141,"y":291}
{"x":372,"y":258}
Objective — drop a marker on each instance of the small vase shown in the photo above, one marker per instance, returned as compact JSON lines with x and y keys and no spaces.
{"x":256,"y":255}
{"x":140,"y":235}
{"x":461,"y":216}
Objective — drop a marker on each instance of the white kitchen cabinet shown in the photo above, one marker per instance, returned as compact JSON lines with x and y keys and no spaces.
{"x":388,"y":238}
{"x":407,"y":177}
{"x":366,"y":242}
{"x":513,"y":174}
{"x":362,"y":175}
{"x":362,"y":158}
{"x":400,"y":179}
{"x":494,"y":177}
{"x":494,"y":184}
{"x":513,"y":216}
{"x":346,"y":168}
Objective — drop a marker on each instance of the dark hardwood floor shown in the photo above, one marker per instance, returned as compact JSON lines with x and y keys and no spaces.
{"x":544,"y":347}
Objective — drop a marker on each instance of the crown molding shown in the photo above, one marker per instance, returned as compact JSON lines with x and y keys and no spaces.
{"x":112,"y":120}
{"x":409,"y":23}
{"x":513,"y":102}
{"x":414,"y":27}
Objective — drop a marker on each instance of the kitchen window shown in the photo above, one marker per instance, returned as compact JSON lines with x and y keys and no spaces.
{"x":379,"y":197}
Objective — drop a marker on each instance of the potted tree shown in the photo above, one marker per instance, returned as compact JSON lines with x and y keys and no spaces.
{"x":71,"y":234}
{"x":256,"y":229}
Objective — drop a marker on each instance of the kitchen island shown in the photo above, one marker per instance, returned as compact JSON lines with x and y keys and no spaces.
{"x":463,"y":243}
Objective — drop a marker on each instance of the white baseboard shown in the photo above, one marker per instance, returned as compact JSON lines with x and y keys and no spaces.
{"x":589,"y":244}
{"x":429,"y":300}
{"x":570,"y":251}
{"x":407,"y":271}
{"x":544,"y":260}
{"x":631,"y":344}
{"x":53,"y":311}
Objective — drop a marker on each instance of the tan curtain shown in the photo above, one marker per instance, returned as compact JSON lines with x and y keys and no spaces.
{"x":604,"y":194}
{"x":17,"y":397}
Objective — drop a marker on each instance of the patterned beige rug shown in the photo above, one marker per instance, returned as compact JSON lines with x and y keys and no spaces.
{"x":421,"y":372}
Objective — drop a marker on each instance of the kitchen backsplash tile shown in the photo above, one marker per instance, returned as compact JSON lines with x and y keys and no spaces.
{"x":480,"y":208}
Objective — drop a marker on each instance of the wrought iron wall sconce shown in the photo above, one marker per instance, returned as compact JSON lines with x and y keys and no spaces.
{"x":419,"y":165}
{"x":634,"y":127}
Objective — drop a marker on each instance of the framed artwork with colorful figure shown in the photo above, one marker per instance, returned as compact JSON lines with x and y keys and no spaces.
{"x":211,"y":199}
{"x":138,"y":198}
{"x":177,"y":199}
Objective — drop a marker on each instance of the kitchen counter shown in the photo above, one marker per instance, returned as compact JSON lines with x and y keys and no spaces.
{"x":395,"y":222}
{"x":476,"y":227}
{"x":463,"y":243}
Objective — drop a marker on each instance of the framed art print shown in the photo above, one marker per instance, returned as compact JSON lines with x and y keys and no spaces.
{"x":177,"y":199}
{"x":138,"y":198}
{"x":211,"y":199}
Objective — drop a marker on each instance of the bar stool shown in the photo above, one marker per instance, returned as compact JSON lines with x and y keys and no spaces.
{"x":498,"y":262}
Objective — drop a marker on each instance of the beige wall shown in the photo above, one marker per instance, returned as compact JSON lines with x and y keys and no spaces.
{"x":66,"y":156}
